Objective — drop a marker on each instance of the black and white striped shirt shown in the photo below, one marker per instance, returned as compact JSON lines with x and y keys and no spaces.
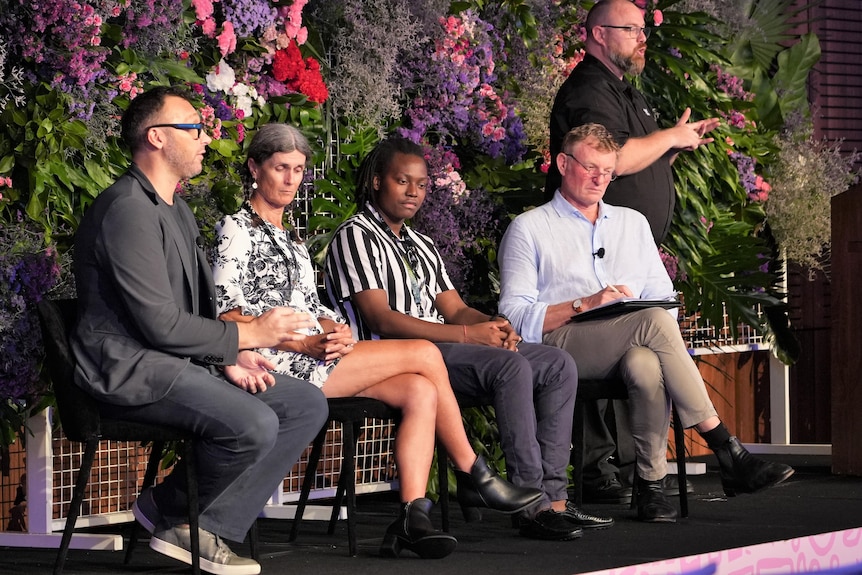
{"x":365,"y":254}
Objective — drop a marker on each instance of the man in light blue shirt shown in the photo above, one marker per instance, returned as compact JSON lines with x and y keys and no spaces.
{"x":576,"y":253}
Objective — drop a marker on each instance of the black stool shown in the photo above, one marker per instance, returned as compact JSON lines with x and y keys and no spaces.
{"x":350,"y":413}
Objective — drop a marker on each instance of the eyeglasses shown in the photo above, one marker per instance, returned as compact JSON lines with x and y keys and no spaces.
{"x":633,"y":31}
{"x":199,"y":127}
{"x":593,"y":171}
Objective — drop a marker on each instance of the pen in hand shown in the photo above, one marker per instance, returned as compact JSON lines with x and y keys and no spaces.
{"x":613,"y":288}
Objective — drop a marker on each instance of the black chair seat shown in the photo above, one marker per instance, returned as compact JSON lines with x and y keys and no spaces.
{"x":350,"y":413}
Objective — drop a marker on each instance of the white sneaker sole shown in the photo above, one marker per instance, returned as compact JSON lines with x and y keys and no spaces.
{"x":180,"y":554}
{"x":142,"y":519}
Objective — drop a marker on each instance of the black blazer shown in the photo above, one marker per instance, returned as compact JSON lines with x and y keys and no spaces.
{"x":145,"y":293}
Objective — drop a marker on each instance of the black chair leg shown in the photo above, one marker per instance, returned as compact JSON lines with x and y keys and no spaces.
{"x":194,"y":508}
{"x":75,"y":506}
{"x":308,"y":481}
{"x":156,"y":451}
{"x":577,"y":456}
{"x":347,"y":484}
{"x":679,"y":440}
{"x":443,"y":485}
{"x":253,"y":541}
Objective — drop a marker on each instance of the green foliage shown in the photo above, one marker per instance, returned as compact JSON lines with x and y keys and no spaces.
{"x":334,"y":200}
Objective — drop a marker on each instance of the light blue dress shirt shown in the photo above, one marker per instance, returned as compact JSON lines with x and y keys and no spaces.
{"x":550,"y":255}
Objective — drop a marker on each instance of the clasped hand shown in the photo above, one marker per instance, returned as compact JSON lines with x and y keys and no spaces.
{"x":331,"y":345}
{"x":495,"y":333}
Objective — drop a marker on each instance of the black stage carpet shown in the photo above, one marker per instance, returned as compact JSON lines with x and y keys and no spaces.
{"x":813,"y":501}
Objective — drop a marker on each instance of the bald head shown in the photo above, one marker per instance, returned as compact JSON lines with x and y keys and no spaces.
{"x":616,"y":35}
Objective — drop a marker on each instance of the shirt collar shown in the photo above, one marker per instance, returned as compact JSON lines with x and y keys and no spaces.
{"x":564,"y":209}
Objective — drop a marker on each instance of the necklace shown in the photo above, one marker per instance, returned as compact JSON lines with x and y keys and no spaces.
{"x":290,"y":261}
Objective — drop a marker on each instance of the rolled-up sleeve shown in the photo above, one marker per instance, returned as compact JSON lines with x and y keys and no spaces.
{"x":519,"y":283}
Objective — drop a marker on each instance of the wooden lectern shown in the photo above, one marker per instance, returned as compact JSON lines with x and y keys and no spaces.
{"x":847,"y":332}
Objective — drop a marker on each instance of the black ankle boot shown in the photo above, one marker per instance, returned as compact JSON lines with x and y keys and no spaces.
{"x":653,"y":504}
{"x":482,"y":487}
{"x":741,"y":472}
{"x":413,"y":531}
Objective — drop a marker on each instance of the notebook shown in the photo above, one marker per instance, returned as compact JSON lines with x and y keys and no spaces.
{"x":624,"y":305}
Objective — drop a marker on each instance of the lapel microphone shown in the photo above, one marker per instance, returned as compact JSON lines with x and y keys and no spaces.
{"x":599,"y":253}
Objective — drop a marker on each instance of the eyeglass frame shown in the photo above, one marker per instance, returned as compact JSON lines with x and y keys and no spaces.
{"x":198,"y":126}
{"x":631,"y":30}
{"x":593,"y":173}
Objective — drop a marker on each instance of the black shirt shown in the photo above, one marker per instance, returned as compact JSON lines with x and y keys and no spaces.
{"x":592,"y":93}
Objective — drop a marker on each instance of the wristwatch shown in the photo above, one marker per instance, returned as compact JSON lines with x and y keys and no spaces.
{"x":578,"y":305}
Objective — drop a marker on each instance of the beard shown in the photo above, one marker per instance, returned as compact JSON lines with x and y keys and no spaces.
{"x":631,"y":64}
{"x":183,"y":166}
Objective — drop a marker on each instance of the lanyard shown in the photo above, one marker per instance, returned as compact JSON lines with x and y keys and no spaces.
{"x":409,"y":253}
{"x":289,"y":262}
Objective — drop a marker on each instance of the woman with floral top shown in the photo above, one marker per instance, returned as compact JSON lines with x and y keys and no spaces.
{"x":259,"y":265}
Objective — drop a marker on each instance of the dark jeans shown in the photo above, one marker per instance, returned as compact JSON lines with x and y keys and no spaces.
{"x":533,"y":394}
{"x":248,"y":443}
{"x":609,"y":448}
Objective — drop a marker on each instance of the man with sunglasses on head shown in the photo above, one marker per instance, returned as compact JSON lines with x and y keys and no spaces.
{"x":149,"y":349}
{"x":597,"y":91}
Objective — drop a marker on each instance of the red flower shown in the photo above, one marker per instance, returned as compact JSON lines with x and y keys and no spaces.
{"x":299,"y":75}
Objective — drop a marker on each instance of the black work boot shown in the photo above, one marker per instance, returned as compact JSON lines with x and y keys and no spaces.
{"x":653,"y":504}
{"x":742,"y":472}
{"x":413,"y":531}
{"x":482,"y":487}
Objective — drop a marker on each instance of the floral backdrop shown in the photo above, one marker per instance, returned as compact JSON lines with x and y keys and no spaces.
{"x":472,"y":81}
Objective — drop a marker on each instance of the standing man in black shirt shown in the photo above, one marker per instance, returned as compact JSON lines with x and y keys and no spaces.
{"x":596,"y":92}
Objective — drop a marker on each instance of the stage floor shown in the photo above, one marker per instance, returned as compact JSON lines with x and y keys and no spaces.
{"x":812,"y":502}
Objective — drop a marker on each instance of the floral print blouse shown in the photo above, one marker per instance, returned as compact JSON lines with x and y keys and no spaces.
{"x":254,"y":274}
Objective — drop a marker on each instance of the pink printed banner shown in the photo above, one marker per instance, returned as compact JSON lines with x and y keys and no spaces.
{"x":837,"y":551}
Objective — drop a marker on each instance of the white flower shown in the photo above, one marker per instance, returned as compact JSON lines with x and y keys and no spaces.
{"x":222,"y":78}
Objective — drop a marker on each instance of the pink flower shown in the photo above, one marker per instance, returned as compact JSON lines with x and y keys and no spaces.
{"x":203,"y":9}
{"x":657,"y":17}
{"x":302,"y":36}
{"x":208,"y":27}
{"x":227,"y":40}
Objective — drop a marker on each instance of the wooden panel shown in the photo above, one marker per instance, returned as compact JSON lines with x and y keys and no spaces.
{"x":846,"y":334}
{"x":738,"y":384}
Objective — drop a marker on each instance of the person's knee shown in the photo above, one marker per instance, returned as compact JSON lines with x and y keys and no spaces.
{"x":425,"y":356}
{"x":258,"y":434}
{"x":640,"y":367}
{"x":419,"y":395}
{"x":660,"y":321}
{"x":316,"y":408}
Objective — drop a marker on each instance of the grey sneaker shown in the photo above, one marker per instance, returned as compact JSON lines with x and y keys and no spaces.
{"x":216,"y":556}
{"x":145,"y":510}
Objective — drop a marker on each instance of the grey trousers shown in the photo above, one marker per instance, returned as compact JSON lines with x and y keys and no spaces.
{"x":646,"y":349}
{"x":248,"y":443}
{"x":533,"y":393}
